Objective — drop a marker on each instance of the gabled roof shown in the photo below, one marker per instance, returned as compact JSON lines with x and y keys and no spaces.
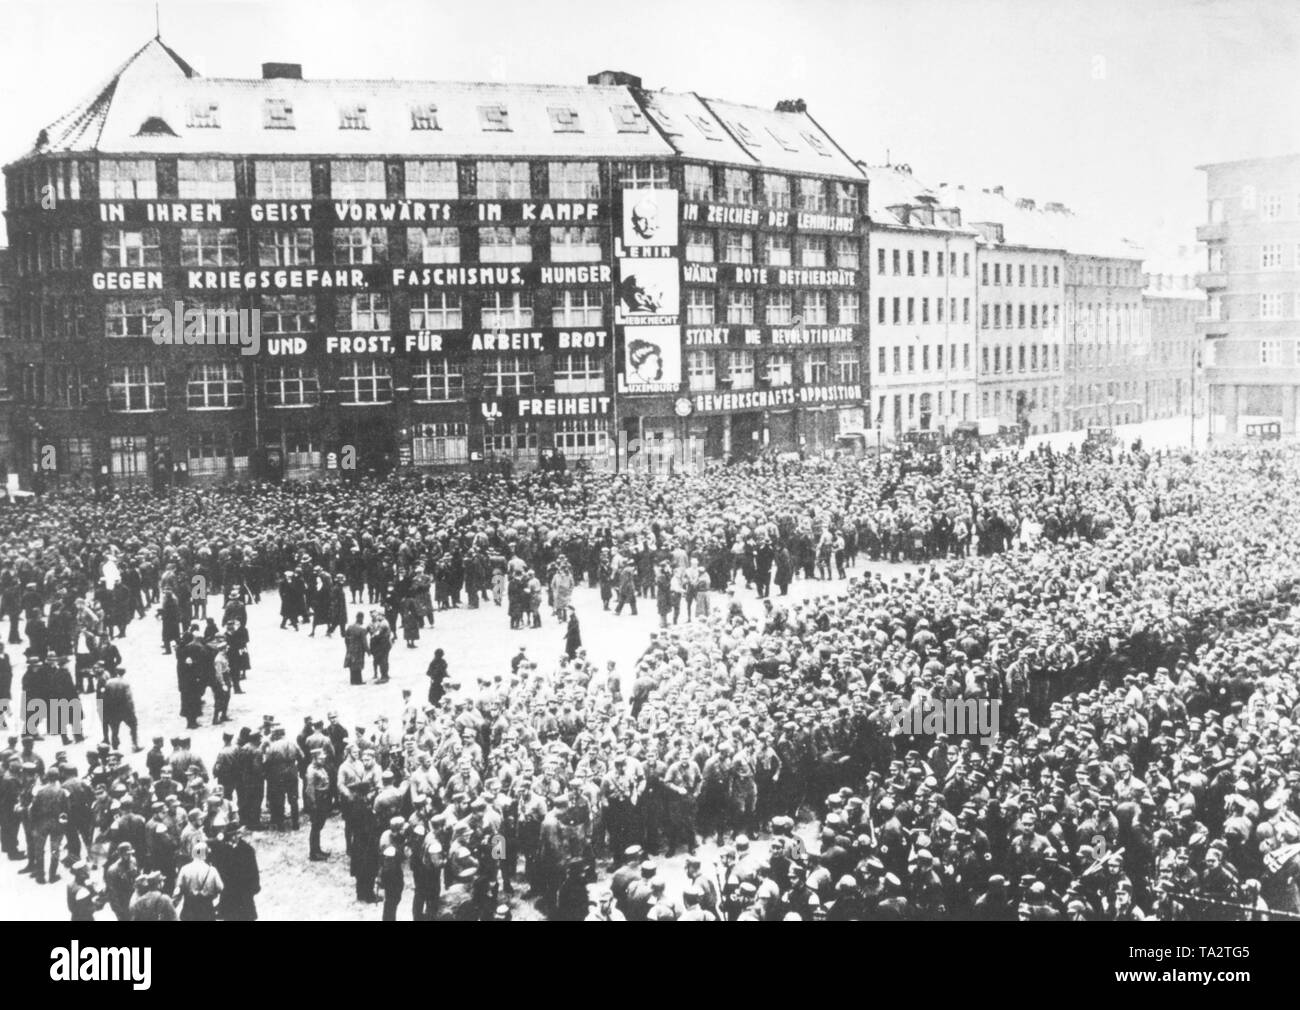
{"x":155,"y":103}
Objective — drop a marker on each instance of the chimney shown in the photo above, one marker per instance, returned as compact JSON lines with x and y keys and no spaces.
{"x":998,"y":191}
{"x":1055,"y":206}
{"x":1024,"y":203}
{"x":282,"y":71}
{"x":615,"y":78}
{"x":792,"y":105}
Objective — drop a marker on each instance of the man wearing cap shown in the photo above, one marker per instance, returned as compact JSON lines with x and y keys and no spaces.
{"x":280,"y":766}
{"x":120,"y":878}
{"x":84,"y":900}
{"x":47,"y":819}
{"x":316,"y":793}
{"x":150,"y":904}
{"x":392,"y":875}
{"x":198,"y":886}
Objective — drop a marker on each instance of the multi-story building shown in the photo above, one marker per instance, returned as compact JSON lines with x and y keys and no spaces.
{"x":1104,"y":355}
{"x":6,"y":365}
{"x":1172,"y":306}
{"x":435,"y":274}
{"x":1251,"y":279}
{"x":1019,"y":262}
{"x":924,"y":304}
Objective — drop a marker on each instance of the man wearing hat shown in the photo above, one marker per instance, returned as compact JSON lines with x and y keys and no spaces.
{"x":120,"y":878}
{"x":150,"y":904}
{"x":47,"y":820}
{"x":84,"y":899}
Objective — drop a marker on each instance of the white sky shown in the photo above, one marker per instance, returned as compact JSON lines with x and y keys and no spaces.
{"x":1105,"y":105}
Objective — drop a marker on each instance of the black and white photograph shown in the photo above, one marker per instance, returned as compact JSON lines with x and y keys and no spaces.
{"x":706,"y":462}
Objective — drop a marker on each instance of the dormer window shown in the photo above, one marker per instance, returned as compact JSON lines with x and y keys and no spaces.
{"x":705,"y":127}
{"x":204,"y":115}
{"x":782,"y":141}
{"x":155,"y":126}
{"x":277,"y":114}
{"x":815,"y":142}
{"x":353,"y":117}
{"x":494,"y":118}
{"x":629,"y":119}
{"x":746,"y":135}
{"x":424,"y":117}
{"x":564,"y":119}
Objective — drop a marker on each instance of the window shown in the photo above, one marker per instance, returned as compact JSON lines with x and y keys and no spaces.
{"x":209,"y":247}
{"x":846,"y":198}
{"x":575,"y":245}
{"x":288,"y":313}
{"x":1270,"y":257}
{"x":433,"y":245}
{"x":573,"y":180}
{"x":997,"y":316}
{"x":925,"y":263}
{"x":643,"y":175}
{"x":424,"y":117}
{"x":509,"y":375}
{"x":846,"y":253}
{"x":285,"y":247}
{"x":1020,"y":273}
{"x":581,"y":307}
{"x":215,"y":386}
{"x":911,"y":263}
{"x":700,"y":370}
{"x":360,"y":245}
{"x":504,"y":310}
{"x":911,"y":310}
{"x":848,"y":366}
{"x":357,"y":180}
{"x":815,"y":308}
{"x":363,"y":312}
{"x":579,"y":372}
{"x":898,"y":360}
{"x":984,"y":274}
{"x":291,"y":385}
{"x":778,"y":250}
{"x":740,"y":307}
{"x":205,"y":179}
{"x":131,"y":248}
{"x":925,"y":310}
{"x":739,"y":185}
{"x":282,"y":180}
{"x":780,"y":308}
{"x":1020,"y":316}
{"x":849,"y":308}
{"x":1270,"y":352}
{"x":128,"y":180}
{"x":897,"y":258}
{"x":130,"y":317}
{"x":210,"y":452}
{"x":277,"y":114}
{"x":582,"y":436}
{"x":564,"y":119}
{"x":436,"y":310}
{"x":984,"y":316}
{"x":365,"y":382}
{"x":898,"y":311}
{"x":516,"y":439}
{"x":437,"y":380}
{"x":812,"y":194}
{"x":938,"y":357}
{"x":880,"y":262}
{"x":1270,"y":208}
{"x":432,"y":180}
{"x":816,"y":367}
{"x":984,"y":360}
{"x":700,"y":307}
{"x":1033,"y":357}
{"x":440,"y":443}
{"x":494,"y":118}
{"x":965,"y":263}
{"x":997,"y":274}
{"x":502,"y":180}
{"x":965,"y":310}
{"x":776,"y":190}
{"x":504,"y":245}
{"x":911,"y":358}
{"x":738,"y":247}
{"x":938,"y":310}
{"x":699,"y":246}
{"x":812,"y":252}
{"x":1270,"y":306}
{"x":1056,"y":275}
{"x":880,"y":310}
{"x":881,"y":361}
{"x":740,"y":369}
{"x":699,"y":183}
{"x":353,"y":117}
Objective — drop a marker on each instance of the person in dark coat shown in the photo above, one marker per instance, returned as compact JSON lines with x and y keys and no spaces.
{"x":237,"y":653}
{"x":355,"y":639}
{"x":437,"y":674}
{"x":291,"y":600}
{"x":572,"y":635}
{"x":170,"y":612}
{"x":240,"y":874}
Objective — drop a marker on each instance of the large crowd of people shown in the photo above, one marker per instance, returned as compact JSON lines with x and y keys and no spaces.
{"x":1130,"y":616}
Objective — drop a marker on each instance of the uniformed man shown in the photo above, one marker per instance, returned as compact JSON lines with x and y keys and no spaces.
{"x":316,"y":794}
{"x":198,"y":886}
{"x":150,"y":904}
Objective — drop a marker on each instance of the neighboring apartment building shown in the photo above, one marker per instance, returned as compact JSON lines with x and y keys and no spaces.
{"x":924,"y":304}
{"x":445,"y":273}
{"x":1172,"y":306}
{"x":1251,"y":277}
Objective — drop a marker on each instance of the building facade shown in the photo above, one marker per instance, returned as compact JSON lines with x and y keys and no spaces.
{"x":1251,"y":279}
{"x":1105,"y":356}
{"x":925,"y":305}
{"x":1173,"y":383}
{"x":220,"y":278}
